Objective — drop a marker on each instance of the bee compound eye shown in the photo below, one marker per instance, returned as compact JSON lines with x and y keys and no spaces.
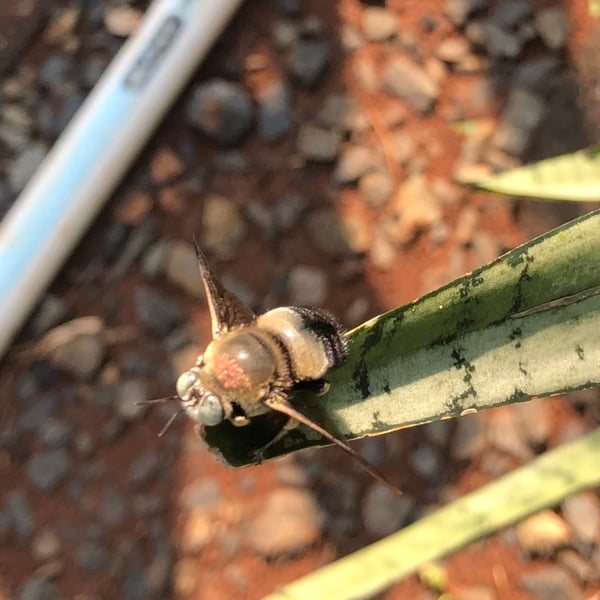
{"x":185,"y":384}
{"x":210,"y":410}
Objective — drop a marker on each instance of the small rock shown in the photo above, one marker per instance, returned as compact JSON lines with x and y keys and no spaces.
{"x":202,"y":494}
{"x":77,"y":347}
{"x":383,"y":512}
{"x":438,"y":432}
{"x":55,"y":433}
{"x":318,"y":144}
{"x":145,"y":468}
{"x":376,"y":188}
{"x":307,"y":286}
{"x":537,"y":73}
{"x":123,"y":20}
{"x":289,"y":8}
{"x":274,"y":114}
{"x":129,"y":396}
{"x":45,"y":406}
{"x":466,"y":225}
{"x":552,"y":24}
{"x":223,"y":228}
{"x":327,"y":233}
{"x":413,"y":209}
{"x":157,"y":313}
{"x":354,"y":162}
{"x":289,"y":524}
{"x":55,"y":71}
{"x":337,"y":112}
{"x":231,"y":161}
{"x":84,"y":444}
{"x":155,"y":259}
{"x":351,"y":38}
{"x":181,"y":267}
{"x":197,"y":532}
{"x":534,"y":418}
{"x":505,"y":434}
{"x":453,"y":49}
{"x":308,"y":59}
{"x":357,"y":231}
{"x":500,"y":43}
{"x":578,"y":566}
{"x":469,"y":437}
{"x":92,"y":556}
{"x":551,"y":583}
{"x":222,"y":110}
{"x":476,"y":592}
{"x":543,"y":534}
{"x":458,"y":11}
{"x":20,"y":514}
{"x":284,"y":34}
{"x":289,"y":473}
{"x":166,"y":166}
{"x":185,"y":577}
{"x":582,"y":513}
{"x":379,"y":24}
{"x":113,"y":507}
{"x":383,"y":253}
{"x":158,"y":574}
{"x":373,"y":450}
{"x":511,"y":13}
{"x":38,"y":588}
{"x":519,"y":120}
{"x":144,"y":505}
{"x":93,"y":68}
{"x":46,"y":469}
{"x":287,"y":210}
{"x":357,"y":311}
{"x":20,"y":170}
{"x":45,"y":545}
{"x":51,"y":311}
{"x":405,"y":79}
{"x":427,"y":462}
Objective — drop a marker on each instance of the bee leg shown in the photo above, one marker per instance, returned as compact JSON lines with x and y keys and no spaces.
{"x":278,"y":402}
{"x":259,"y":454}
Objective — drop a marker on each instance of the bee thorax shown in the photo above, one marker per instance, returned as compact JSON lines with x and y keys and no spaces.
{"x":239,"y":361}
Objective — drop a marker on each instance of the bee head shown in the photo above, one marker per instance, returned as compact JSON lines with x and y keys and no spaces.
{"x":202,"y":405}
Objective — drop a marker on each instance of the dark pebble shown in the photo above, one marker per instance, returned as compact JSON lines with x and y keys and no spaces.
{"x":308,"y":59}
{"x":20,"y":514}
{"x":222,"y":110}
{"x":46,"y":469}
{"x":157,"y":313}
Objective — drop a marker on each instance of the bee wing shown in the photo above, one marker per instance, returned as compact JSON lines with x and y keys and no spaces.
{"x":280,"y":404}
{"x":226,"y":309}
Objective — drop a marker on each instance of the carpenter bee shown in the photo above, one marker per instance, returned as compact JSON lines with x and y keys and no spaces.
{"x":253,"y":363}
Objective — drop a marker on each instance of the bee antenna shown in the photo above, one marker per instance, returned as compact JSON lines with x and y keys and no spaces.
{"x":170,"y":422}
{"x":156,"y":400}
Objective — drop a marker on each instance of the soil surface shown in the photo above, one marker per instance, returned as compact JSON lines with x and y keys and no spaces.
{"x":317,"y":155}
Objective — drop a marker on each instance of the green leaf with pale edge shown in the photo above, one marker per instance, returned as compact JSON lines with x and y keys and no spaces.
{"x":542,"y":483}
{"x":468,"y":346}
{"x":574,"y":177}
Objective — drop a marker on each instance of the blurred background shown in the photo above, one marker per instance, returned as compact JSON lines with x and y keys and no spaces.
{"x":317,"y":156}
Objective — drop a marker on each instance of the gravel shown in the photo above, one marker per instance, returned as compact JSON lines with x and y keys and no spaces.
{"x":317,"y":143}
{"x":408,"y":81}
{"x":289,"y":523}
{"x":222,"y":110}
{"x":48,"y":468}
{"x":308,"y":59}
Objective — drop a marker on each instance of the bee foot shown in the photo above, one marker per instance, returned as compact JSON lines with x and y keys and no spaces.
{"x":258,"y":456}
